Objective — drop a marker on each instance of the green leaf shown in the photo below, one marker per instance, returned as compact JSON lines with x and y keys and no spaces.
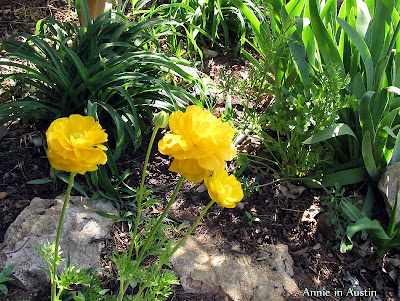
{"x":378,"y":106}
{"x":379,"y":28}
{"x":334,"y":130}
{"x":294,"y":7}
{"x":255,"y":23}
{"x":396,"y":151}
{"x":75,"y":186}
{"x":362,"y":49}
{"x":105,"y":182}
{"x":368,"y":157}
{"x":363,"y":18}
{"x":392,"y":222}
{"x":358,"y":87}
{"x":120,"y":138}
{"x":369,"y":202}
{"x":111,"y":216}
{"x":373,"y":227}
{"x":40,"y":181}
{"x":326,"y":45}
{"x":81,"y":6}
{"x":337,"y":179}
{"x":352,"y":212}
{"x":393,"y":89}
{"x":7,"y":271}
{"x":4,"y":289}
{"x":380,"y":145}
{"x":298,"y":52}
{"x":365,"y":114}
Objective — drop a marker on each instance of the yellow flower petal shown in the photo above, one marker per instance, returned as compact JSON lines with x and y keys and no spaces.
{"x":190,"y":169}
{"x":198,"y":135}
{"x":74,"y":144}
{"x":224,"y":189}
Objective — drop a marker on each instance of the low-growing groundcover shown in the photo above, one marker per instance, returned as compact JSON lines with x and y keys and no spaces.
{"x":314,"y":247}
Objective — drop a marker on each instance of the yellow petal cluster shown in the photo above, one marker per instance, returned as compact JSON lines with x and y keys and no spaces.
{"x":75,"y":144}
{"x":224,"y":189}
{"x":199,"y":143}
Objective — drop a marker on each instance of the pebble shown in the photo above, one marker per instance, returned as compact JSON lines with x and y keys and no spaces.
{"x":317,"y":247}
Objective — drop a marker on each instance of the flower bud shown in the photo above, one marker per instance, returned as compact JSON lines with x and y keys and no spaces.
{"x":160,"y":120}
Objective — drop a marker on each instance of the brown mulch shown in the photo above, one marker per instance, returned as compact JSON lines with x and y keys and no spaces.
{"x":22,"y":15}
{"x":317,"y":262}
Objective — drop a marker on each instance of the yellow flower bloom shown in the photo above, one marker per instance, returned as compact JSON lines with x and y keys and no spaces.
{"x":190,"y":169}
{"x":199,"y":143}
{"x":74,"y":144}
{"x":224,"y":189}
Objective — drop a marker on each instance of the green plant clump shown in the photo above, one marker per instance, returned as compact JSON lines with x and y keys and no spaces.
{"x":113,"y":70}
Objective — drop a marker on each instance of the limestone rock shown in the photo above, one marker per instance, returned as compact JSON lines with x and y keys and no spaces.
{"x":389,"y":186}
{"x":265,"y":276}
{"x":82,"y":235}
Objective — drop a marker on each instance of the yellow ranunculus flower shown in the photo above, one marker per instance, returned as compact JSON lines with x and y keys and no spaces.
{"x":224,"y":189}
{"x":199,"y":143}
{"x":74,"y":144}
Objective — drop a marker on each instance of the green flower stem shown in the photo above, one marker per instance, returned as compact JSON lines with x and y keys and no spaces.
{"x":59,"y":294}
{"x":122,"y":290}
{"x":140,"y":195}
{"x":177,"y":246}
{"x":160,"y":220}
{"x":119,"y":4}
{"x":54,"y":296}
{"x":124,"y":286}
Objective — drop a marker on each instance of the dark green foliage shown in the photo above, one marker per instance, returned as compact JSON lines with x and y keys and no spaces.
{"x":113,"y":65}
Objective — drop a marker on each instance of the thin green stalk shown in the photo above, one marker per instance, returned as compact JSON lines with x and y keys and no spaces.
{"x":53,"y":281}
{"x":124,"y":286}
{"x":153,"y":231}
{"x":160,"y":219}
{"x":122,"y":290}
{"x":59,"y":294}
{"x":177,"y":246}
{"x":119,"y":4}
{"x":140,"y":195}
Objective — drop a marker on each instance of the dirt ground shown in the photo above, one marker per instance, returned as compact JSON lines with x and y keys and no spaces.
{"x":313,"y":245}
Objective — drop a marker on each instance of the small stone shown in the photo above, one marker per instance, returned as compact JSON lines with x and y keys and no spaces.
{"x":208,"y":53}
{"x":238,"y":277}
{"x":389,"y":186}
{"x":11,"y":190}
{"x":317,"y":247}
{"x":240,"y":205}
{"x":37,"y":141}
{"x":83,"y":234}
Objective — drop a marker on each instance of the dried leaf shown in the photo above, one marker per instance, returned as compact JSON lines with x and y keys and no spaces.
{"x":310,"y":214}
{"x":290,"y":191}
{"x":301,"y":252}
{"x":201,"y":188}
